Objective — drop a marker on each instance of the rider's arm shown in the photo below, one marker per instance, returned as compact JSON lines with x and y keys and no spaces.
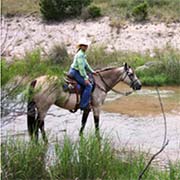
{"x":88,"y":67}
{"x":81,"y":67}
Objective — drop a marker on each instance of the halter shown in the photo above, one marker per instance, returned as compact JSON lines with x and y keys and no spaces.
{"x":118,"y":92}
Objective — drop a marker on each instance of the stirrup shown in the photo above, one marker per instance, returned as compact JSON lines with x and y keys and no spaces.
{"x":75,"y":109}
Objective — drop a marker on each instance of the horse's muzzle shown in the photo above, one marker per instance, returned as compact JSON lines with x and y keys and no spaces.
{"x":136,"y":85}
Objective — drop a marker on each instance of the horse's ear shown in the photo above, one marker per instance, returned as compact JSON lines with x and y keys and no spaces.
{"x":125,"y":66}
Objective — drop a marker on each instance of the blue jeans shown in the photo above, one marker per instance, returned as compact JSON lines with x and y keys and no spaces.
{"x":87,"y":88}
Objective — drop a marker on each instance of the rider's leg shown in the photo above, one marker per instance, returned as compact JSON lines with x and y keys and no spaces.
{"x":84,"y":103}
{"x":86,"y":95}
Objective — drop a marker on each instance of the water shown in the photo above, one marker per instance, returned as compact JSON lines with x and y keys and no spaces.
{"x":134,"y":122}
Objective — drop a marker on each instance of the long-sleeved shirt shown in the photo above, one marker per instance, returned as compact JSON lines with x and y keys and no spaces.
{"x":80,"y":64}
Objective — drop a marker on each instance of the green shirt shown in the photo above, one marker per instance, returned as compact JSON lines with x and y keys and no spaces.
{"x":80,"y":64}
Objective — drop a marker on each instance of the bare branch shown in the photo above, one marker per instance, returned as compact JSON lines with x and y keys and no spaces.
{"x":165,"y":141}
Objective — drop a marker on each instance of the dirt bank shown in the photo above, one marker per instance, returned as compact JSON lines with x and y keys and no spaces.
{"x":21,"y":34}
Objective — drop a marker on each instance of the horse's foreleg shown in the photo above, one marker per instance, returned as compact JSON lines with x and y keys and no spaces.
{"x":96,"y":112}
{"x":41,"y":126}
{"x":96,"y":122}
{"x":84,"y":119}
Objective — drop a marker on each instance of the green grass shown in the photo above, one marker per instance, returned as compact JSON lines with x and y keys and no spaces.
{"x":23,"y":160}
{"x":86,"y":159}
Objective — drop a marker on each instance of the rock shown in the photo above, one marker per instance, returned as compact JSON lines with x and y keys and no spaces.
{"x":147,"y":65}
{"x":170,"y":34}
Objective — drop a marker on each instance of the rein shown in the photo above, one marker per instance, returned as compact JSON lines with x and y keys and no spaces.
{"x":118,"y":92}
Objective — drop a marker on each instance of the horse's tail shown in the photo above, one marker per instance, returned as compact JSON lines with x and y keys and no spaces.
{"x":31,"y":110}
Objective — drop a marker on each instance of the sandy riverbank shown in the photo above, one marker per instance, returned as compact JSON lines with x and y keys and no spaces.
{"x":22,"y":34}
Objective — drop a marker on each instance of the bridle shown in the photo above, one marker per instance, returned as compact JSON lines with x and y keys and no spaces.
{"x":130,"y":77}
{"x":118,"y":92}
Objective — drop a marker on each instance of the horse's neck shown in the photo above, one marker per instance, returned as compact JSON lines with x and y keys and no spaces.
{"x":112,"y":77}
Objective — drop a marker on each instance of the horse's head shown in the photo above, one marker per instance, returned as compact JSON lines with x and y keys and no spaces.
{"x":130,"y":78}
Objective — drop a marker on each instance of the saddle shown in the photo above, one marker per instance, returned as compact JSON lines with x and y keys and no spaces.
{"x":71,"y":85}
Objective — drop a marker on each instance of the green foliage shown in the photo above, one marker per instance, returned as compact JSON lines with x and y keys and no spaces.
{"x":140,"y":11}
{"x":61,"y":9}
{"x":32,"y":65}
{"x":94,"y":11}
{"x":151,"y":80}
{"x":99,"y":57}
{"x":166,"y":70}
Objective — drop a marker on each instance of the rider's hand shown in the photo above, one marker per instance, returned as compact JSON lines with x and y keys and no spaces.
{"x":96,"y":72}
{"x":87,"y":82}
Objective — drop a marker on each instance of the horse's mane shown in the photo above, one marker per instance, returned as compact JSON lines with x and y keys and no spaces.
{"x":107,"y":69}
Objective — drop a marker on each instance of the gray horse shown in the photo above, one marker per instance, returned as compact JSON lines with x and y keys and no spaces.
{"x":45,"y":91}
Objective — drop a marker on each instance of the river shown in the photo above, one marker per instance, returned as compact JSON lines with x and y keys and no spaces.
{"x":134,"y":122}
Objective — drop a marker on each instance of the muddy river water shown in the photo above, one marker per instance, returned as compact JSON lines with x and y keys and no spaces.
{"x":134,"y":121}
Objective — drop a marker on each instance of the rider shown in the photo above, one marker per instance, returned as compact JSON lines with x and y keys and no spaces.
{"x":78,"y":71}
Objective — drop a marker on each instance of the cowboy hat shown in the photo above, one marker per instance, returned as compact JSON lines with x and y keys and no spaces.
{"x":83,"y":42}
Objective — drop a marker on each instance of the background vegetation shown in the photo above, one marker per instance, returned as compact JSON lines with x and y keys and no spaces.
{"x":156,"y":10}
{"x":163,"y":71}
{"x":87,"y":159}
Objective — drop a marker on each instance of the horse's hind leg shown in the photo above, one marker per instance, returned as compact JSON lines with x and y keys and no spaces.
{"x":32,"y":120}
{"x":84,"y":119}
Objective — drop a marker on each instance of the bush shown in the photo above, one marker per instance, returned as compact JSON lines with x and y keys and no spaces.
{"x":94,"y":11}
{"x":140,"y":11}
{"x":61,"y":9}
{"x":91,"y":11}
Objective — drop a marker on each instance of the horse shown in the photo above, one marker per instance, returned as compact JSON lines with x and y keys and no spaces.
{"x":45,"y":91}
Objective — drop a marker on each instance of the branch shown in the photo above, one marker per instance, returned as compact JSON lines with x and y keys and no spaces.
{"x":165,"y":141}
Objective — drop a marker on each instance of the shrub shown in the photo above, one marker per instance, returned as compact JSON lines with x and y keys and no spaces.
{"x":94,"y":11}
{"x":61,"y":9}
{"x":91,"y":11}
{"x":140,"y":11}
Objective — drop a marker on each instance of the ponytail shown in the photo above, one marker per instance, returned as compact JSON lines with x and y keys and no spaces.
{"x":78,"y":49}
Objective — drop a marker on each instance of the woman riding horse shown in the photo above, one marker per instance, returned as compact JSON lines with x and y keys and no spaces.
{"x":45,"y":91}
{"x":78,"y":71}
